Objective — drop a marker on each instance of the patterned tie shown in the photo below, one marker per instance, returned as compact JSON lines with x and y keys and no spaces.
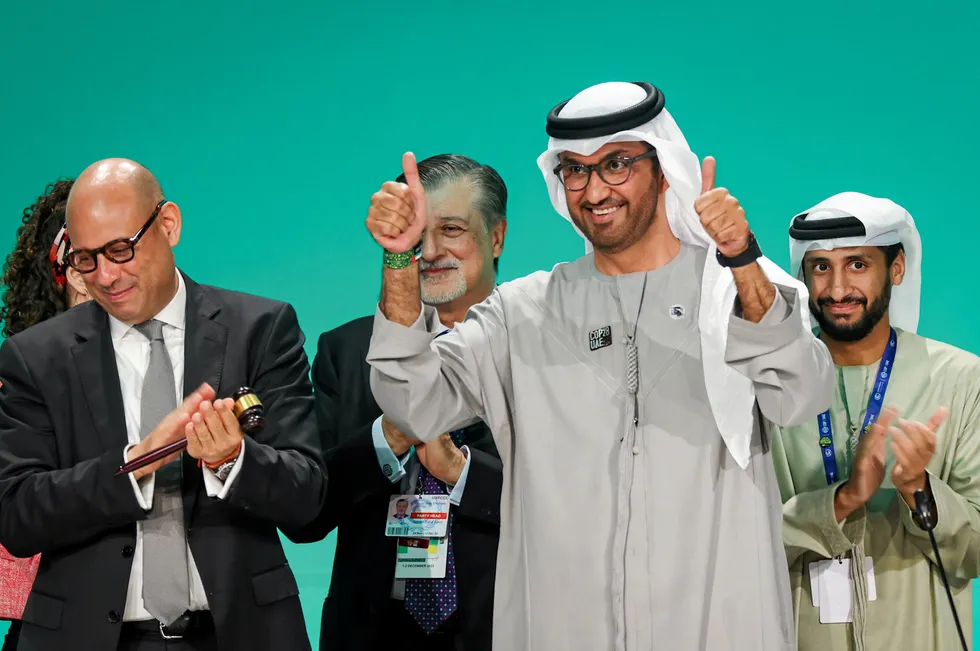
{"x":431,"y":601}
{"x":166,"y":585}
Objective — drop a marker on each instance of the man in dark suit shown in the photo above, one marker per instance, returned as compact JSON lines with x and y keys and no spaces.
{"x":370,"y":461}
{"x":185,"y":553}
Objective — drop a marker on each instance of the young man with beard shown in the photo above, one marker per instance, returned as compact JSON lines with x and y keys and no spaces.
{"x":635,"y":382}
{"x":905,"y":417}
{"x":372,"y":605}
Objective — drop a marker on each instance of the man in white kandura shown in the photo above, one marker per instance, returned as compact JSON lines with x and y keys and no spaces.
{"x":637,"y":382}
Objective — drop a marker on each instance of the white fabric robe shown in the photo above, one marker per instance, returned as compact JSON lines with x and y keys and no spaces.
{"x":614,"y":536}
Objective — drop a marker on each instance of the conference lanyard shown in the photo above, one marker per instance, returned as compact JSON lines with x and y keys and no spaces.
{"x":825,"y":429}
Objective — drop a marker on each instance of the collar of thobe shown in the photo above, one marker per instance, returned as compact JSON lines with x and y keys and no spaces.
{"x":612,"y":112}
{"x":852,"y":219}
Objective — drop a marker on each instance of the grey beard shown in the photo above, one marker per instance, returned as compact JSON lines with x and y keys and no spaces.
{"x":448,"y":289}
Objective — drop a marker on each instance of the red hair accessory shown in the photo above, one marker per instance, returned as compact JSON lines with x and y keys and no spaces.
{"x":59,"y":256}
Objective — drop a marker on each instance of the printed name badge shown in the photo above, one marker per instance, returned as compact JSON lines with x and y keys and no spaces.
{"x":418,"y":516}
{"x":830,"y":588}
{"x":600,"y":338}
{"x":421,"y":558}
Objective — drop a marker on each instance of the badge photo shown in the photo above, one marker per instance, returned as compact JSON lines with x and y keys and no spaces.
{"x":418,"y":516}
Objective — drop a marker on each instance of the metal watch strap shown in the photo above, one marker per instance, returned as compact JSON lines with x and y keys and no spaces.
{"x":748,"y":256}
{"x":403,"y":260}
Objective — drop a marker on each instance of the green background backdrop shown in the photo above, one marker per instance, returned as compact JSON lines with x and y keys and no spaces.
{"x":271,"y":124}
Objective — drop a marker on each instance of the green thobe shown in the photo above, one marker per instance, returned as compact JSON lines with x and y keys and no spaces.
{"x":911,"y":610}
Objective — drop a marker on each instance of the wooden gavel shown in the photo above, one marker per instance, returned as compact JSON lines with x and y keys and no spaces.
{"x":247,"y":408}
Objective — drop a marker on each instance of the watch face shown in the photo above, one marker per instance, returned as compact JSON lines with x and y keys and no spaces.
{"x":224,"y":470}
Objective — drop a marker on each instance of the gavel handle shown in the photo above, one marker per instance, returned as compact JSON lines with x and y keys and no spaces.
{"x":154,"y":455}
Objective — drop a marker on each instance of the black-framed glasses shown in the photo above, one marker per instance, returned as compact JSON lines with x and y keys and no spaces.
{"x":119,"y":251}
{"x":613,"y":171}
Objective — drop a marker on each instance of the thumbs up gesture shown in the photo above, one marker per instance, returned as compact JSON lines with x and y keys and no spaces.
{"x":396,"y":218}
{"x":721,"y":215}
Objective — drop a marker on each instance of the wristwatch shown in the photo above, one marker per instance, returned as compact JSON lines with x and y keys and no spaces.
{"x":222,"y":471}
{"x":222,"y":468}
{"x":748,"y":256}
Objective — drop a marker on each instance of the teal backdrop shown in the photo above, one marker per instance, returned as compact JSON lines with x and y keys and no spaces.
{"x":271,"y":124}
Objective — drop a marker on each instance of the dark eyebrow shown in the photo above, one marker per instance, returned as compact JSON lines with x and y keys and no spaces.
{"x":618,"y":153}
{"x":851,"y":258}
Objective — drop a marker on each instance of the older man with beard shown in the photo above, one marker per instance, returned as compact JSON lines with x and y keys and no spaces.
{"x":380,"y":587}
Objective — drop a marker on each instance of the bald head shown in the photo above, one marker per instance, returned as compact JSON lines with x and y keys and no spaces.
{"x":124,"y":231}
{"x":117,"y":176}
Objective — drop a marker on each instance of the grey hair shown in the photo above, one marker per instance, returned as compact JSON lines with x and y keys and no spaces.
{"x":491,"y":198}
{"x":439,"y":171}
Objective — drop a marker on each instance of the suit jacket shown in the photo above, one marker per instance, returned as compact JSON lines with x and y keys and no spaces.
{"x":357,"y":505}
{"x":62,"y":434}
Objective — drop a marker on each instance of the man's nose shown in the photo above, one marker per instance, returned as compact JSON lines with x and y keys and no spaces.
{"x":840,"y":288}
{"x":432,"y":247}
{"x":106,"y":271}
{"x":597,"y":190}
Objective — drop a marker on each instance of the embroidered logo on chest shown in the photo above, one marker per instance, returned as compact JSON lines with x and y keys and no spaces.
{"x":600,"y":338}
{"x":676,"y":311}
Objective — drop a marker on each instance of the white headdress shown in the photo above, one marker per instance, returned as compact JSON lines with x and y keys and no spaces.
{"x":854,"y":219}
{"x":620,"y":111}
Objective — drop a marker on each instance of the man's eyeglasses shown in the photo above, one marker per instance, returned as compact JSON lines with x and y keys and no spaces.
{"x":119,"y":251}
{"x":614,"y":171}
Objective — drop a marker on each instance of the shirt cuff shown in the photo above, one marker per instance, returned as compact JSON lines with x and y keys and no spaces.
{"x":841,"y":536}
{"x":456,"y":496}
{"x":144,"y":487}
{"x":217,"y":488}
{"x":780,"y":326}
{"x":392,"y":467}
{"x":780,"y":310}
{"x":393,"y":341}
{"x":810,"y":522}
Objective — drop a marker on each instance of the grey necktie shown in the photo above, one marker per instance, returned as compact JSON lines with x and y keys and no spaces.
{"x":166,"y":591}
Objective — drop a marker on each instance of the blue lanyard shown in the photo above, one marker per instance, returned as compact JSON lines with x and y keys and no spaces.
{"x":825,"y":432}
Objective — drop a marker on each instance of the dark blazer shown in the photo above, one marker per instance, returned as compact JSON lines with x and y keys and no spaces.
{"x":62,"y":434}
{"x":357,"y":505}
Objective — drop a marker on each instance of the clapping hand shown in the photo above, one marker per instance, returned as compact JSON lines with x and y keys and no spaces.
{"x":913,"y":445}
{"x":213,"y":433}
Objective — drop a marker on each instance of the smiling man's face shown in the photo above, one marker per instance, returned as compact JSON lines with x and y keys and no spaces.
{"x":615,"y":217}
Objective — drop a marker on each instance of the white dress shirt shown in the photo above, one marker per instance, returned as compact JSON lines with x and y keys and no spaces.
{"x":132,"y":352}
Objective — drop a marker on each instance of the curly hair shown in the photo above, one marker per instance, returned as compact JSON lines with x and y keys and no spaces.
{"x":31,"y":294}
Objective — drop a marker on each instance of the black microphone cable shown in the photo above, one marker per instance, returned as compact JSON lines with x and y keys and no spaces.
{"x":923,"y":506}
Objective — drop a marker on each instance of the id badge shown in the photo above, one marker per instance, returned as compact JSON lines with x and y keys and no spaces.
{"x":830,"y":584}
{"x":421,"y":558}
{"x":418,"y":516}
